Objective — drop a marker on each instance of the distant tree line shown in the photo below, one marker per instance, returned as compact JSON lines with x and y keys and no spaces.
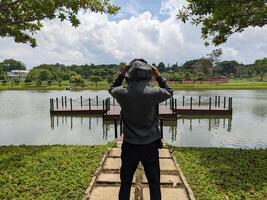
{"x":196,"y":70}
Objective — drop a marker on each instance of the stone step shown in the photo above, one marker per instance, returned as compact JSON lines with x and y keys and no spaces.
{"x":110,"y":178}
{"x":115,"y":164}
{"x":107,"y":193}
{"x":118,"y":144}
{"x":112,"y":163}
{"x":168,"y":194}
{"x":164,"y":153}
{"x":167,"y":164}
{"x":116,"y":152}
{"x":166,"y":179}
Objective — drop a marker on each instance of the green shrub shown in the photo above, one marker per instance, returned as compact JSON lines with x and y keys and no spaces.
{"x":16,"y":81}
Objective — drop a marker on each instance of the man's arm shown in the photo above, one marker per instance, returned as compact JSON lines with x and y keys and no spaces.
{"x":114,"y":88}
{"x":165,"y":91}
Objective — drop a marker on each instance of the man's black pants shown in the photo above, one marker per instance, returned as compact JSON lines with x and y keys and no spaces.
{"x":148,"y":154}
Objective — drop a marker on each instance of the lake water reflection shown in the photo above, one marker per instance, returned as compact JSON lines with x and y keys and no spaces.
{"x":25,"y":119}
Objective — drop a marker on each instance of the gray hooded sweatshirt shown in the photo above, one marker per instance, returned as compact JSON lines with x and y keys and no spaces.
{"x":139,"y":102}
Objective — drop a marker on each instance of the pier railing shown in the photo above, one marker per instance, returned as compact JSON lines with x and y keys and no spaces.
{"x":197,"y":102}
{"x":80,"y":103}
{"x":174,"y":105}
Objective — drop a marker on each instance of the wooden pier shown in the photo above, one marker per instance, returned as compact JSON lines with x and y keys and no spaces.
{"x":167,"y":110}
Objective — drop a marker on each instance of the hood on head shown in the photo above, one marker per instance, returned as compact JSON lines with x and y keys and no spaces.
{"x":139,"y":71}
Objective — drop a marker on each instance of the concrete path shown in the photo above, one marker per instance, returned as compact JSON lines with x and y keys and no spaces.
{"x":106,"y":182}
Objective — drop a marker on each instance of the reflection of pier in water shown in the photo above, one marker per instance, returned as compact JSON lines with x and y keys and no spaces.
{"x":108,"y":127}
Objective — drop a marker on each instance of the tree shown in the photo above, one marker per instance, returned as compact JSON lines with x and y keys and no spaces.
{"x":21,"y":19}
{"x":161,"y":67}
{"x":187,"y":76}
{"x":226,"y":67}
{"x":44,"y":75}
{"x":203,"y":65}
{"x":190,"y":64}
{"x":198,"y":65}
{"x":2,"y":73}
{"x":215,"y":55}
{"x":76,"y":79}
{"x":220,"y":19}
{"x":261,"y":67}
{"x":110,"y":79}
{"x":11,"y":64}
{"x":95,"y":79}
{"x":175,"y":77}
{"x":200,"y":76}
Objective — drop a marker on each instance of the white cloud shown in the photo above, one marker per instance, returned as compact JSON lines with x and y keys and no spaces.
{"x":171,"y":7}
{"x":100,"y":40}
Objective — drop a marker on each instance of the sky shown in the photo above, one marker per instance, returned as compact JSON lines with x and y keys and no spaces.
{"x":142,"y":29}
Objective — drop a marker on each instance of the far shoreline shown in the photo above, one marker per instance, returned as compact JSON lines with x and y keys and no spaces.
{"x":246,"y":85}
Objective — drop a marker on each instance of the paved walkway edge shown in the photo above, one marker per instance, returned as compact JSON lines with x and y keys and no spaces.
{"x":187,"y":186}
{"x":90,"y":187}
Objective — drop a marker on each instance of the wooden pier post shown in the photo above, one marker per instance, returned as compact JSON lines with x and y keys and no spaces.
{"x":115,"y":128}
{"x":230,"y":103}
{"x":65,"y":101}
{"x":57,"y":103}
{"x":51,"y":105}
{"x":219,"y":101}
{"x":215,"y":101}
{"x":161,"y":127}
{"x":71,"y":104}
{"x":89,"y":103}
{"x":224,"y":102}
{"x":52,"y":120}
{"x":210,"y":103}
{"x":175,"y":104}
{"x":183,"y":101}
{"x":71,"y":121}
{"x":191,"y":99}
{"x":62,"y":101}
{"x":96,"y":100}
{"x":103,"y":106}
{"x":81,"y":101}
{"x":172,"y":103}
{"x":53,"y":108}
{"x":199,"y":101}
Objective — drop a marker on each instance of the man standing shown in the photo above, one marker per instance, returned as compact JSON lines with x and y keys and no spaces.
{"x":139,"y":115}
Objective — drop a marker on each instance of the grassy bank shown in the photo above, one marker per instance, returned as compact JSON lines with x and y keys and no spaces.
{"x":64,"y":172}
{"x":231,"y":85}
{"x":47,"y":172}
{"x":222,"y":86}
{"x":220,"y":174}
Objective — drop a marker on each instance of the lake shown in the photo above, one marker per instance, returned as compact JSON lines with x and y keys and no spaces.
{"x":25,"y":119}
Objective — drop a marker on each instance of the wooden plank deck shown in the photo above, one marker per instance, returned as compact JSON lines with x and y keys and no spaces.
{"x":164,"y":113}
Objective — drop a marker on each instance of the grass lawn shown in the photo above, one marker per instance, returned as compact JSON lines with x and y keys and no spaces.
{"x":222,"y":86}
{"x":47,"y":172}
{"x":217,"y":173}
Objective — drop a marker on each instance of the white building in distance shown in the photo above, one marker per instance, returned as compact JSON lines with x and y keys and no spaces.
{"x":17,"y":75}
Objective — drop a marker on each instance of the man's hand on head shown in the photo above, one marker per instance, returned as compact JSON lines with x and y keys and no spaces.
{"x":124,"y":70}
{"x":155,"y":71}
